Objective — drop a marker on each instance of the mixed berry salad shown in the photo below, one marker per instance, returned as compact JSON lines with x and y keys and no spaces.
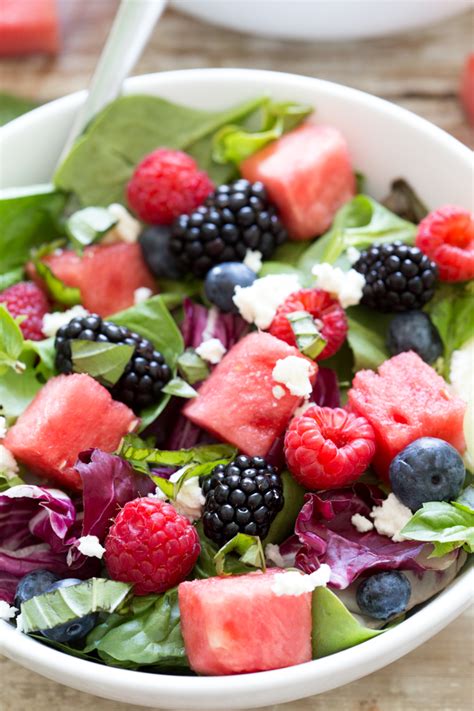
{"x":236,"y":391}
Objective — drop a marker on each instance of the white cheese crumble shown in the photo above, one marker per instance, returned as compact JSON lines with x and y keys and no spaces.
{"x":190,"y":500}
{"x":302,"y":408}
{"x":253,"y":260}
{"x":19,"y":623}
{"x":274,"y":556}
{"x":141,"y":294}
{"x":345,"y":286}
{"x":53,"y":322}
{"x":3,"y":427}
{"x":352,"y":255}
{"x":7,"y":612}
{"x":278,"y":392}
{"x":361,"y":523}
{"x":294,"y":583}
{"x":211,"y":322}
{"x":8,"y":464}
{"x":127,"y":228}
{"x":391,"y":517}
{"x":294,"y":372}
{"x":211,"y":350}
{"x":90,"y":546}
{"x":258,"y":303}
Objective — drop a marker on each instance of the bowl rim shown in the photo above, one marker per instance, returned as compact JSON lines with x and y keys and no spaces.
{"x":275,"y":686}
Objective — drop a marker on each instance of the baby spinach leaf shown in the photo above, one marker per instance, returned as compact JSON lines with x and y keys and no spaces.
{"x":28,"y":218}
{"x":13,"y":106}
{"x":179,"y":388}
{"x":334,"y":628}
{"x":465,"y":500}
{"x":192,"y":367}
{"x":11,"y":343}
{"x":104,"y":361}
{"x":248,"y":548}
{"x":366,"y":336}
{"x":102,"y":160}
{"x":206,"y":566}
{"x":444,"y":525}
{"x":148,"y":634}
{"x":87,"y":226}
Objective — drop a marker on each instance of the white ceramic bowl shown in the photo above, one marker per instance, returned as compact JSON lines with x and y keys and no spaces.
{"x":386,"y":142}
{"x":322,"y":19}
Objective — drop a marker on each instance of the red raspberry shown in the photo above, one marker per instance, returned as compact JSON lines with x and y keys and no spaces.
{"x":323,"y":308}
{"x":151,"y":545}
{"x":27,"y":299}
{"x":447,"y":237}
{"x":167,"y":184}
{"x":328,"y":447}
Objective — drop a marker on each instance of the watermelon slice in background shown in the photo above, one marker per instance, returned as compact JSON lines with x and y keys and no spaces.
{"x":28,"y":26}
{"x":467,"y":88}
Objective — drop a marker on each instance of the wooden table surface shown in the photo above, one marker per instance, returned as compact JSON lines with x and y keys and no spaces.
{"x":419,"y":71}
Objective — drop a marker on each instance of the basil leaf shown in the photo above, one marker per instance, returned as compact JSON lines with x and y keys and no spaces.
{"x":104,"y":361}
{"x":334,"y":628}
{"x":360,"y":223}
{"x":48,"y":610}
{"x":87,"y":226}
{"x":11,"y":342}
{"x":465,"y":500}
{"x":441,"y":523}
{"x":57,"y":289}
{"x":135,"y":450}
{"x":249,"y":549}
{"x":179,"y":388}
{"x":148,"y":634}
{"x":404,"y":202}
{"x":28,"y":218}
{"x":192,"y":367}
{"x":11,"y":277}
{"x":366,"y":336}
{"x":13,"y":106}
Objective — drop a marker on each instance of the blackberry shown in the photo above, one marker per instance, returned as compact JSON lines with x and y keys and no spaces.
{"x":398,"y":277}
{"x":145,"y":374}
{"x":234,"y":218}
{"x":243,"y":496}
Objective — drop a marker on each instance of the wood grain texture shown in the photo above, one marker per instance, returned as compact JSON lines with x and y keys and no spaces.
{"x":420,"y":71}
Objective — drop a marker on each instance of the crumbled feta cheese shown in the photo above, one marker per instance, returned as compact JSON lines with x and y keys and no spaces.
{"x":141,"y":294}
{"x":294,"y":583}
{"x":253,"y":260}
{"x":391,"y":517}
{"x":273,"y":556}
{"x":302,"y":408}
{"x":7,"y":612}
{"x":90,"y":546}
{"x":278,"y":392}
{"x":352,"y":254}
{"x":190,"y":499}
{"x":211,"y":323}
{"x":127,"y":228}
{"x":3,"y":427}
{"x":8,"y":464}
{"x":53,"y":322}
{"x":294,"y":372}
{"x":211,"y":350}
{"x":19,"y":623}
{"x":361,"y":523}
{"x":345,"y":286}
{"x":258,"y":303}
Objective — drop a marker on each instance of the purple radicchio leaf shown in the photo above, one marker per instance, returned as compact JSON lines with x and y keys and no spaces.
{"x":326,"y":389}
{"x":326,"y":535}
{"x":200,"y":324}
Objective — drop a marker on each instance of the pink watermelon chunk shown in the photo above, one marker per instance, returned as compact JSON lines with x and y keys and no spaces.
{"x":308,"y":175}
{"x":28,"y":26}
{"x":237,"y":624}
{"x":70,"y":414}
{"x":406,"y":400}
{"x":236,"y":402}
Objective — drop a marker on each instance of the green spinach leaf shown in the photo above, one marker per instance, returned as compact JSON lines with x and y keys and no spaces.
{"x":367,"y":336}
{"x":444,"y":525}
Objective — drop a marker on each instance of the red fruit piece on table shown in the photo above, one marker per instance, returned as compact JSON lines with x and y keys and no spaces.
{"x":107,"y":275}
{"x":467,"y":87}
{"x":326,"y":448}
{"x":70,"y":414}
{"x":237,"y":402}
{"x":323,"y":308}
{"x":447,"y":237}
{"x":238,"y":624}
{"x":166,"y":184}
{"x":27,"y":299}
{"x":308,"y":176}
{"x":28,"y":26}
{"x":151,"y":545}
{"x":404,"y":401}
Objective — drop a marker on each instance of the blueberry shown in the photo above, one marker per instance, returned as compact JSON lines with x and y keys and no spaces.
{"x":32,"y":584}
{"x":221,"y":281}
{"x":154,"y":243}
{"x":428,"y":469}
{"x":74,"y":629}
{"x":384,"y":595}
{"x":414,"y":331}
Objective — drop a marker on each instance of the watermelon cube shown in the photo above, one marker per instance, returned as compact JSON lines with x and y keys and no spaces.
{"x":237,"y":624}
{"x":237,"y":404}
{"x":406,"y":400}
{"x":28,"y":26}
{"x":70,"y":414}
{"x":467,"y":88}
{"x":308,"y":175}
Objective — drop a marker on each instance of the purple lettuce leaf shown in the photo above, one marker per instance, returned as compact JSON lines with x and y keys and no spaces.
{"x":325,"y":534}
{"x":201,"y":323}
{"x":326,"y":389}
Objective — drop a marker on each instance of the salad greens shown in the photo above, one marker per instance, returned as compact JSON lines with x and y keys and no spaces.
{"x":87,"y":226}
{"x":248,"y":548}
{"x":447,"y":526}
{"x":13,"y":106}
{"x":104,"y":361}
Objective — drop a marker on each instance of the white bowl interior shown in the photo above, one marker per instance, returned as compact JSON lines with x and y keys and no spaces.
{"x":386,"y":142}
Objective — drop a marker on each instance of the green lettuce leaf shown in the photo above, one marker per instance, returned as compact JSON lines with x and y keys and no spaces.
{"x":206,"y":565}
{"x":445,"y":525}
{"x":334,"y":628}
{"x":366,"y":336}
{"x":11,"y":343}
{"x":105,"y":362}
{"x":248,"y":548}
{"x":465,"y":500}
